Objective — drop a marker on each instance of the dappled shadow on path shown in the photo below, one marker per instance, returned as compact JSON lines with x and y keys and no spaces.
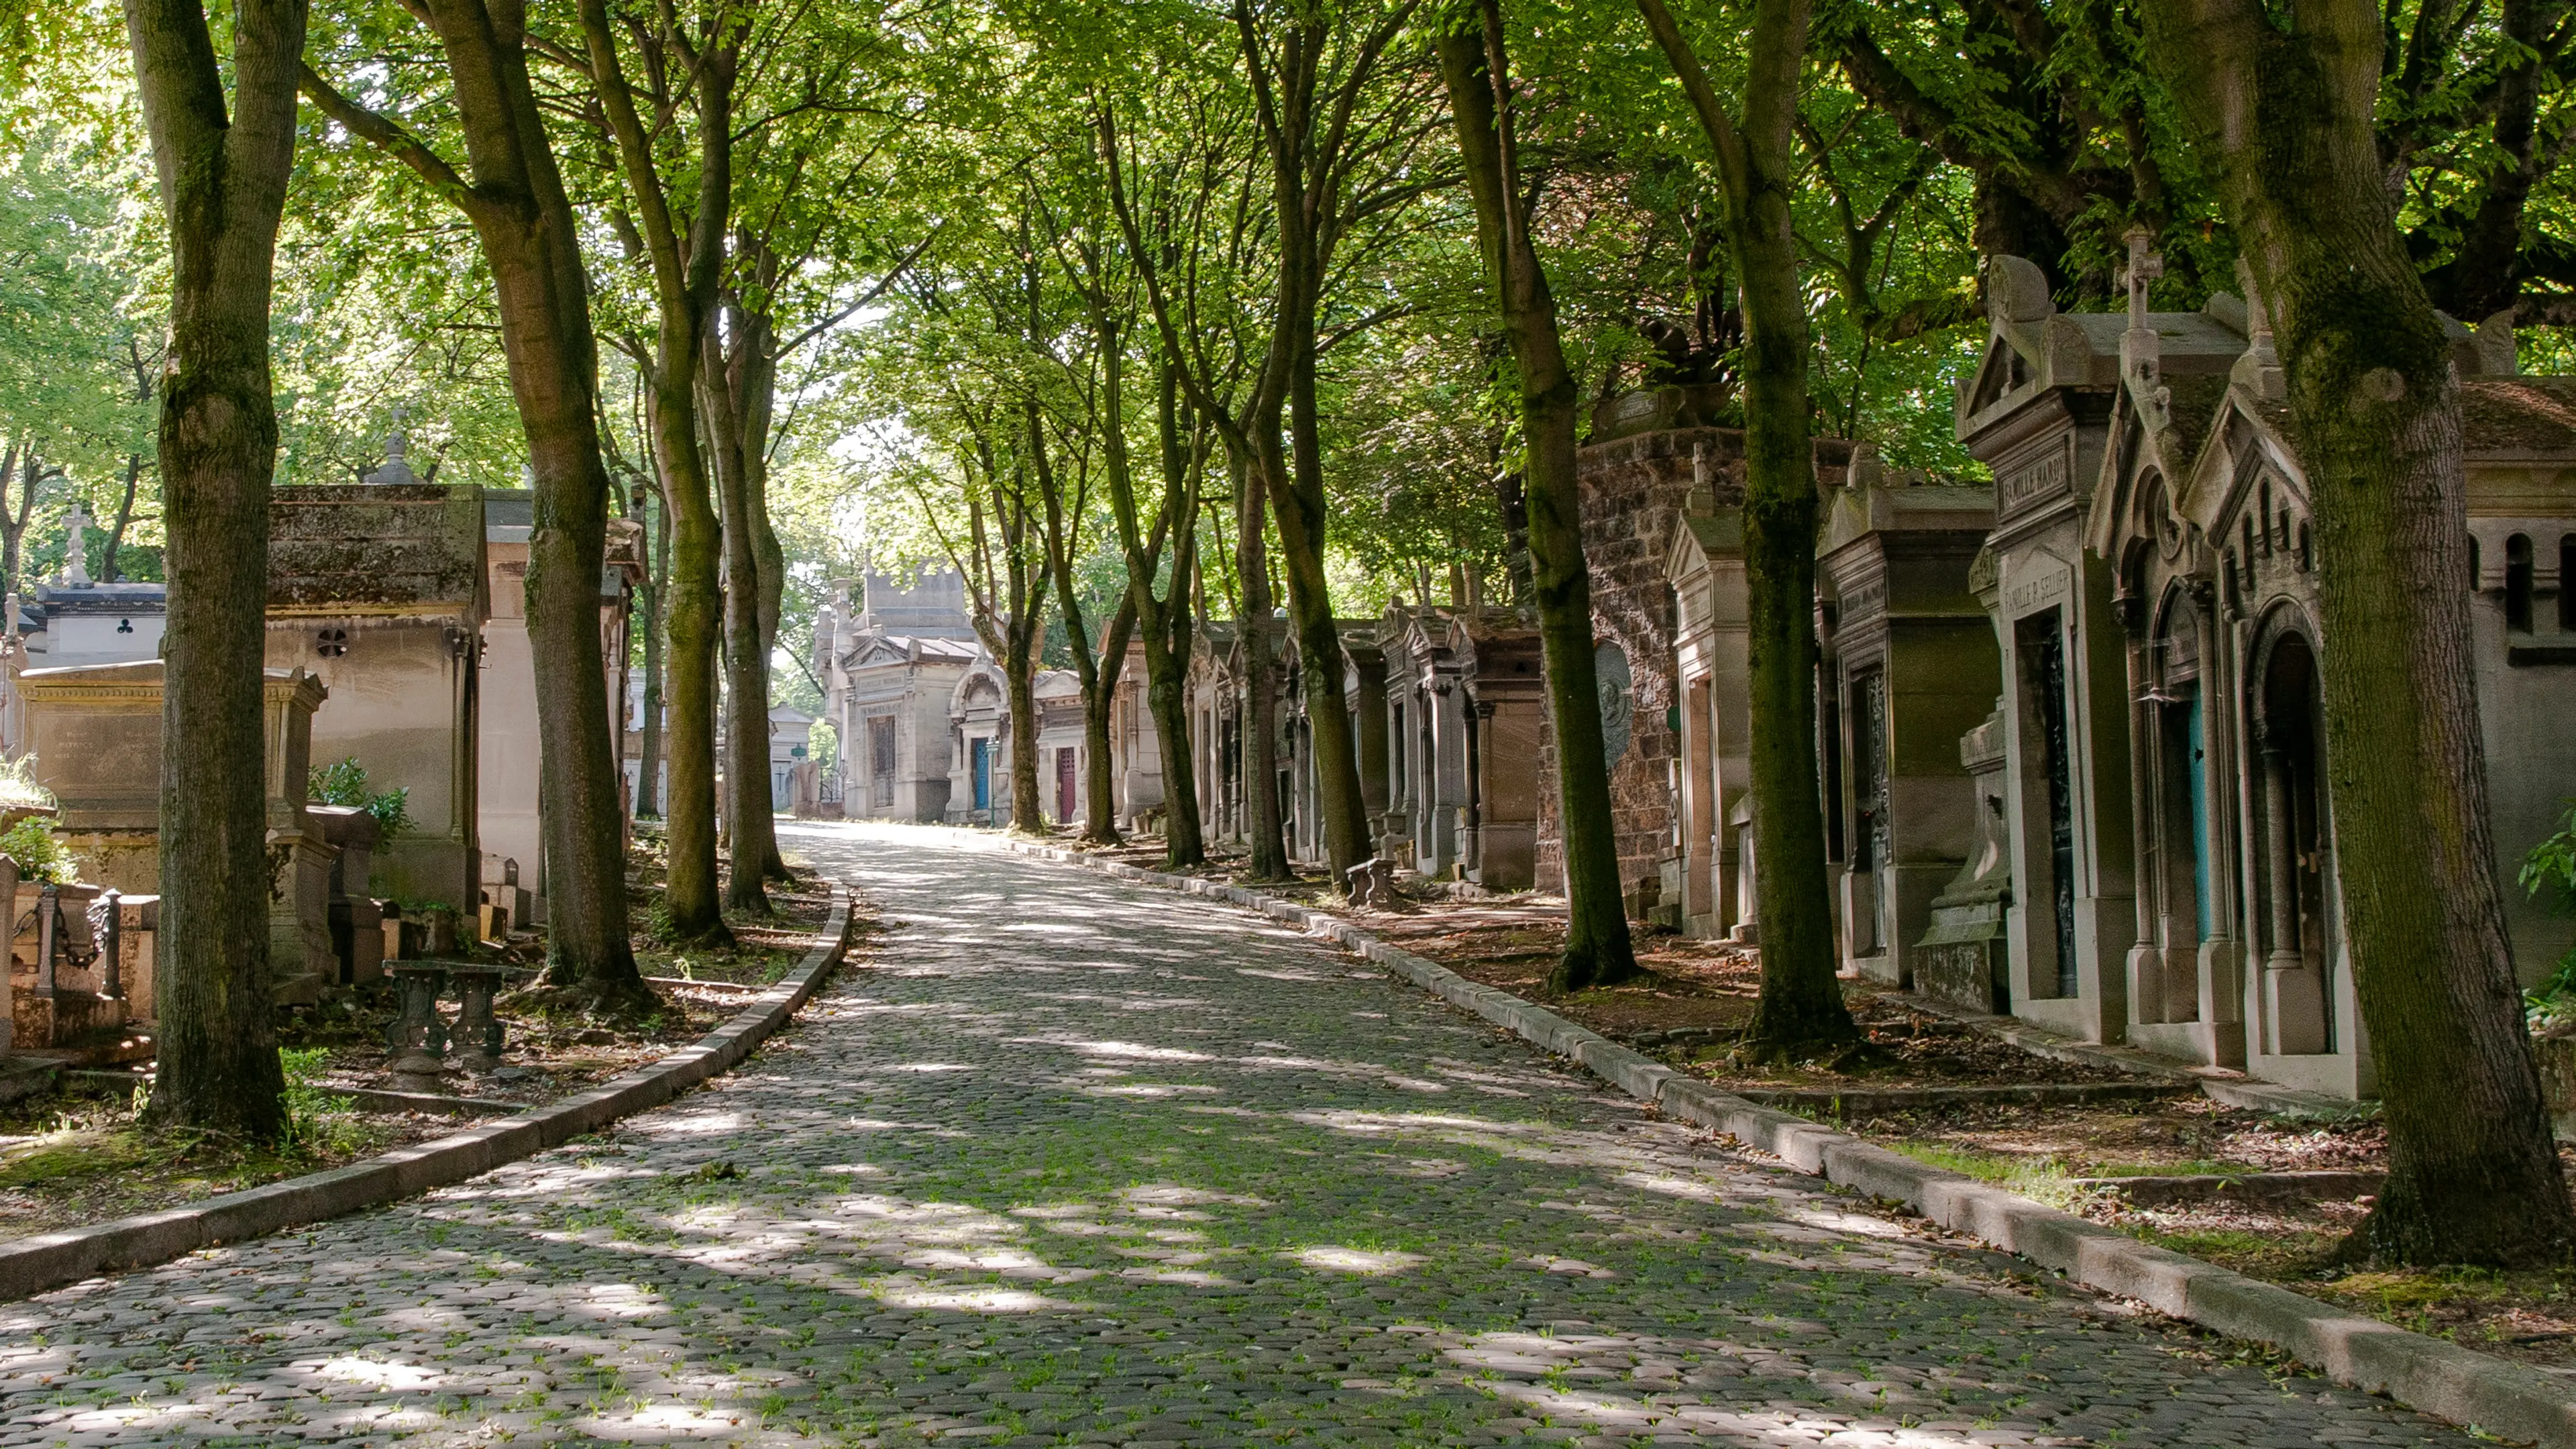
{"x":1068,"y":1162}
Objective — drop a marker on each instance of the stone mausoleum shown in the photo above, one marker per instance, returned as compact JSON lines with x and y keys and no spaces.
{"x":377,"y":589}
{"x":2164,"y":872}
{"x":890,"y":672}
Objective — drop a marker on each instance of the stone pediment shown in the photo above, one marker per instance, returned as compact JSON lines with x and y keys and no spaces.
{"x":1701,"y":538}
{"x":2193,"y":410}
{"x":876,"y":651}
{"x":873,"y":653}
{"x":2247,"y":438}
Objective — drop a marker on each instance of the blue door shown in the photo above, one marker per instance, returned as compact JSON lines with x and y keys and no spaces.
{"x":982,"y":749}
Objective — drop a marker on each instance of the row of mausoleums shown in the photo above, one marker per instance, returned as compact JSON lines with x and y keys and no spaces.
{"x":397,"y":636}
{"x":2071,"y":742}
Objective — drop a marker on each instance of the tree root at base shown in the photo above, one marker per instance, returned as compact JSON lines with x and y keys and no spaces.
{"x":628,"y":1002}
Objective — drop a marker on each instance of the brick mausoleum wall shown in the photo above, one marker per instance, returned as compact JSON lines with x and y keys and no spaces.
{"x":1633,"y":490}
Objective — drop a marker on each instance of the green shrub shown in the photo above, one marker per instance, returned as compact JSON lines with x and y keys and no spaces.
{"x":39,"y":855}
{"x":309,"y":1108}
{"x":344,"y":782}
{"x":2551,"y":868}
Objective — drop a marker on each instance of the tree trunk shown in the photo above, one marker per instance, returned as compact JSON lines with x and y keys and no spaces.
{"x":108,"y":572}
{"x":13,"y":521}
{"x":223,"y":187}
{"x":748,"y":821}
{"x":657,"y":585}
{"x":1166,"y":625}
{"x":1098,"y":672}
{"x":1162,"y":622}
{"x":1801,"y":1006}
{"x":531,"y":242}
{"x":2375,"y":415}
{"x":735,"y":379}
{"x":754,"y":376}
{"x":686,"y":268}
{"x":1099,"y":692}
{"x":691,"y":622}
{"x":1019,"y":668}
{"x":1305,"y":141}
{"x":1297,"y":500}
{"x":1473,"y":63}
{"x":1263,"y":841}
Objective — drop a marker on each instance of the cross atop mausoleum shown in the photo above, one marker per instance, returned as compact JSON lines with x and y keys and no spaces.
{"x":2144,"y":267}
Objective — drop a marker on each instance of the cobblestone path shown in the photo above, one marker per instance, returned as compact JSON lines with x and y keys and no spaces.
{"x":1072,"y":1162}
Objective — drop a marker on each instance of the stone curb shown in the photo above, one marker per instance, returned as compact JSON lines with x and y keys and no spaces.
{"x":2426,"y":1374}
{"x":35,"y":1265}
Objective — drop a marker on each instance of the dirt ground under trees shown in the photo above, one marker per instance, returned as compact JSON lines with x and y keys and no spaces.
{"x":81,"y":1154}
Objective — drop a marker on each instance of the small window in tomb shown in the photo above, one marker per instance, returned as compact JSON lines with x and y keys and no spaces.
{"x":2307,"y":550}
{"x":125,"y":626}
{"x":332,"y":643}
{"x":2517,"y":584}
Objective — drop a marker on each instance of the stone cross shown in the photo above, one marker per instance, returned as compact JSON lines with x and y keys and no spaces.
{"x":2144,"y":267}
{"x":76,"y":547}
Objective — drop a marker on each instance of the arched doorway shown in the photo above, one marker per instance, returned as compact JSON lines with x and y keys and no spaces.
{"x":2176,"y":872}
{"x":2294,"y":866}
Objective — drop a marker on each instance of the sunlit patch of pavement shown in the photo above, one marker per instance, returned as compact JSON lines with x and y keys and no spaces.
{"x":1065,"y":1161}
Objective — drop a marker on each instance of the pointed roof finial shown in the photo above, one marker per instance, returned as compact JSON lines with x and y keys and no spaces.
{"x":395,"y":469}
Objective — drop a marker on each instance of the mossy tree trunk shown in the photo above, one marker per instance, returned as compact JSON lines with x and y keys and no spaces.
{"x":2284,"y":103}
{"x":756,"y":386}
{"x":1311,"y":127}
{"x":1162,"y":622}
{"x":531,"y":242}
{"x":657,"y":589}
{"x":1007,"y":573}
{"x":223,"y":165}
{"x":1167,"y":623}
{"x":1098,"y":669}
{"x":1265,"y":845}
{"x":1477,"y":70}
{"x":751,"y":827}
{"x":738,"y":384}
{"x":684,"y":251}
{"x":1215,"y":393}
{"x":1801,"y":1006}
